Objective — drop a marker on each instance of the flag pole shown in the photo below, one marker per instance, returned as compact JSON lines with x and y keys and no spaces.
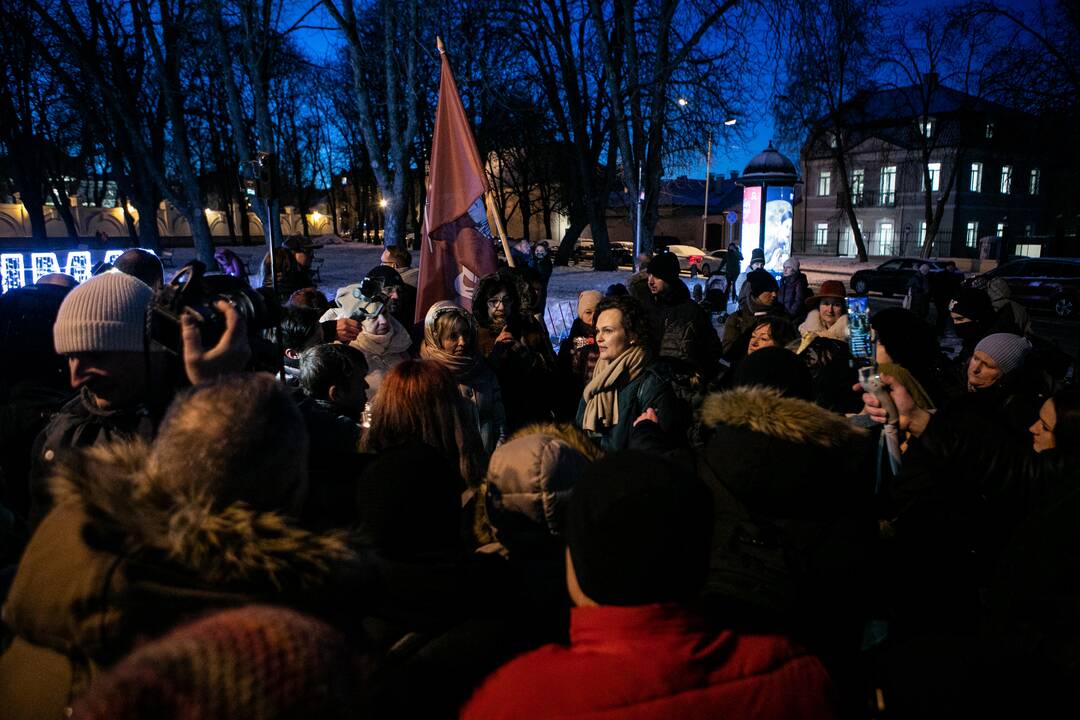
{"x":501,"y":230}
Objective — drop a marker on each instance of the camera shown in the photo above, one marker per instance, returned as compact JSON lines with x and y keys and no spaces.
{"x":191,"y":289}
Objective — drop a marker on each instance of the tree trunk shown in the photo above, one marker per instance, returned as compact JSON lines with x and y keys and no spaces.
{"x":149,"y":237}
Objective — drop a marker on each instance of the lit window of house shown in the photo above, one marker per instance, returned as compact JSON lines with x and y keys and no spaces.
{"x":1006,"y":179}
{"x":1033,"y":182}
{"x":926,"y":127}
{"x":858,"y":184}
{"x":888,"y":185}
{"x":989,"y":131}
{"x":972,"y":238}
{"x":1000,"y":230}
{"x":976,"y":177}
{"x":823,"y":183}
{"x":935,"y":177}
{"x":885,"y":238}
{"x":921,"y":238}
{"x":821,"y":234}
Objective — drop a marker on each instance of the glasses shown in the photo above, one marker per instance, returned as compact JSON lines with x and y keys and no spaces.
{"x":497,"y":301}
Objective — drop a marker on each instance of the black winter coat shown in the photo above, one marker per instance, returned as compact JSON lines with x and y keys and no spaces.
{"x":683,"y":333}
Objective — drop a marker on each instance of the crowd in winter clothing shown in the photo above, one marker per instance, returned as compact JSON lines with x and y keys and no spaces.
{"x":676,"y":512}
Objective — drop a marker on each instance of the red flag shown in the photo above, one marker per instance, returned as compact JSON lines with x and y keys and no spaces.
{"x":456,"y":248}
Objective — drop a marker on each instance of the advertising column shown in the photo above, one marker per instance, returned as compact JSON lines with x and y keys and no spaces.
{"x":751,"y":223}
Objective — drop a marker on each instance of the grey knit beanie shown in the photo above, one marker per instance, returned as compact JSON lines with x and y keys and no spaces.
{"x":107,"y":313}
{"x":1006,"y":349}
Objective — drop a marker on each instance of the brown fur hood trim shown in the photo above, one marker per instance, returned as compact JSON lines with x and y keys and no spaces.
{"x":766,"y":411}
{"x":127,"y":503}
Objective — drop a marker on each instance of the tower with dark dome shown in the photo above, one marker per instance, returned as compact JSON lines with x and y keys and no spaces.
{"x":768,"y":194}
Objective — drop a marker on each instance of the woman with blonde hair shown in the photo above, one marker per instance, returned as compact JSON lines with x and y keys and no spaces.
{"x":450,"y":339}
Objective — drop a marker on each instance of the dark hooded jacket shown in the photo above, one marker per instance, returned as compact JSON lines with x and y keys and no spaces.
{"x":801,"y":475}
{"x":121,"y":558}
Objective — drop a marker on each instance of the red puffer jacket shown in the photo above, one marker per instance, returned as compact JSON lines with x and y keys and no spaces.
{"x":656,"y":661}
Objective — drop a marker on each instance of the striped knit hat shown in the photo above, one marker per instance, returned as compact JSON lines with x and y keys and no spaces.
{"x":250,"y":662}
{"x":107,"y":313}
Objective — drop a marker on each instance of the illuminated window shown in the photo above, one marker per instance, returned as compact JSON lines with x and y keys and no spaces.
{"x":888,"y":185}
{"x":935,"y":177}
{"x":858,"y":184}
{"x":821,"y":234}
{"x":921,"y":237}
{"x":1033,"y":182}
{"x":823,"y":183}
{"x":1000,"y":230}
{"x":972,"y":238}
{"x":885,"y":237}
{"x":1006,"y":179}
{"x":976,"y":177}
{"x":989,"y":131}
{"x":926,"y":127}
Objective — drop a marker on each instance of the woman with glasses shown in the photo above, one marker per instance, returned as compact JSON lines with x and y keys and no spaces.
{"x":517,"y":346}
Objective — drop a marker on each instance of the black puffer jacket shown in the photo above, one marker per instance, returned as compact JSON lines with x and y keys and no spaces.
{"x":683,"y":334}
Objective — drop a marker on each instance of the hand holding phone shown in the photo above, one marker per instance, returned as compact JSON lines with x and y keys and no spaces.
{"x":872,"y":383}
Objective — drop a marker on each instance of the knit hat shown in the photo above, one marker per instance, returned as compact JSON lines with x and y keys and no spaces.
{"x":761,"y":281}
{"x":974,"y":304}
{"x":106,"y":313}
{"x":779,"y":368}
{"x":1006,"y":349}
{"x":409,"y":501}
{"x":757,"y":255}
{"x":664,"y":266}
{"x":639,"y":531}
{"x":794,"y":264}
{"x":829,"y":289}
{"x":254,"y":661}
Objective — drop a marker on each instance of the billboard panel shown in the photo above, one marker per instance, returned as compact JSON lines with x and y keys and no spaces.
{"x":778,"y":217}
{"x":751,"y":223}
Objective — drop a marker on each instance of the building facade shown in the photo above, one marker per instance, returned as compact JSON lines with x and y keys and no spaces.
{"x":980,"y":165}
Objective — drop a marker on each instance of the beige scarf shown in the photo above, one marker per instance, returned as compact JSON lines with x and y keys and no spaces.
{"x":395,"y":340}
{"x":602,"y":393}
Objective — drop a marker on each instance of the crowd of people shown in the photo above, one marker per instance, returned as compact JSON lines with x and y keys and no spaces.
{"x":659,"y":518}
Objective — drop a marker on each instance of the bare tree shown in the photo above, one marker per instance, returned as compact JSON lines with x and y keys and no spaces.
{"x":947,"y":61}
{"x":830,"y":60}
{"x":385,"y":84}
{"x":654,"y":51}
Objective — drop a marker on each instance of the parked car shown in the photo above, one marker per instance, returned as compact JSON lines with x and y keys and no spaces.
{"x":891,"y":277}
{"x":712,"y":262}
{"x":1045,"y":283}
{"x":688,"y":255}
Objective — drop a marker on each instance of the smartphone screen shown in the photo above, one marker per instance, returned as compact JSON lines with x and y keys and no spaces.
{"x":862,"y":347}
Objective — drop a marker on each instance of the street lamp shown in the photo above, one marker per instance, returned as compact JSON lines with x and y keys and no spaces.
{"x":380,"y":233}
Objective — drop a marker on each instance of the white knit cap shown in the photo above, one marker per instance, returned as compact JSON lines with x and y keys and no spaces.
{"x":107,"y":313}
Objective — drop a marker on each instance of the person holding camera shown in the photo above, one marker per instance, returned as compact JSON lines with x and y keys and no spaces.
{"x":124,"y":381}
{"x":384,"y":341}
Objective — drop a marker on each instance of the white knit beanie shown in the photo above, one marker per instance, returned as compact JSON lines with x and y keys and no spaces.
{"x":107,"y":313}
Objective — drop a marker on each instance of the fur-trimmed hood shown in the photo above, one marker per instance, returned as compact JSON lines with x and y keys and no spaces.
{"x":786,"y":457}
{"x":134,"y":511}
{"x":766,"y":411}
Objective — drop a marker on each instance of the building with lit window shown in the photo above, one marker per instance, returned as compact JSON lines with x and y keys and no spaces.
{"x":980,"y":163}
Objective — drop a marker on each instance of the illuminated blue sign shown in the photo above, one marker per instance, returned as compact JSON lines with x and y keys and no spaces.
{"x":16,"y":266}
